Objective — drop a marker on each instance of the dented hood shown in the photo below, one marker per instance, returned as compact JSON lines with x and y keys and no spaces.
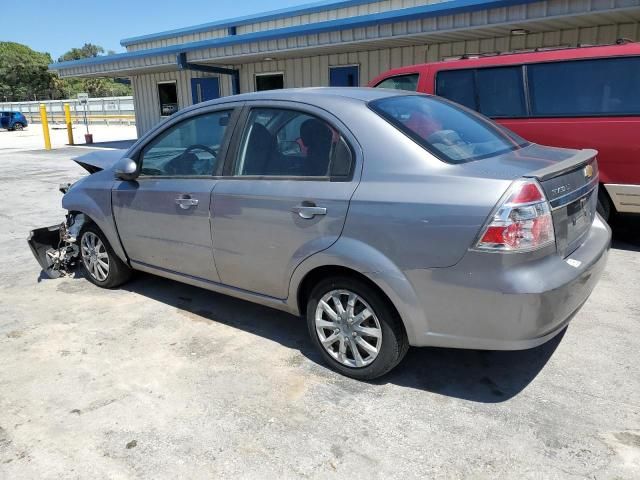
{"x":96,"y":161}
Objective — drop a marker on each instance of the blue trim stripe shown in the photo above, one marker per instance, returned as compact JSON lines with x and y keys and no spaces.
{"x":406,"y":14}
{"x":247,"y":19}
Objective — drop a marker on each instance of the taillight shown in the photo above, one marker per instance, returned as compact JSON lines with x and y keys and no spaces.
{"x":522,"y":222}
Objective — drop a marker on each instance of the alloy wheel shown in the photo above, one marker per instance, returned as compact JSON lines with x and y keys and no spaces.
{"x":348,"y":328}
{"x":95,"y":256}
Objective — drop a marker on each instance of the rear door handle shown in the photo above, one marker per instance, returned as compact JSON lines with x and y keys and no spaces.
{"x":309,"y":211}
{"x":186,"y":202}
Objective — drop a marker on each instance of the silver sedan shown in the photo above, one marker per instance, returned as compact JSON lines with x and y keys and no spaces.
{"x":387,"y":219}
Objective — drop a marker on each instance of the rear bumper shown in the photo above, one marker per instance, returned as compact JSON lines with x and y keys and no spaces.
{"x":497,"y":302}
{"x":626,"y":198}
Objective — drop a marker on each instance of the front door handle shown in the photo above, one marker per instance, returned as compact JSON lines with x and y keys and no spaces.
{"x":186,"y":202}
{"x":309,"y":211}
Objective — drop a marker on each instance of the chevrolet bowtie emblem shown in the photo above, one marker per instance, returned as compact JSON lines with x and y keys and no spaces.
{"x":588,"y":171}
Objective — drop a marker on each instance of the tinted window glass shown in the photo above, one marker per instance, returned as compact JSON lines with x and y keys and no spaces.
{"x":446,"y":130}
{"x":495,"y":92}
{"x":279,"y":142}
{"x":458,"y":86}
{"x":401,"y":82}
{"x":585,"y":87}
{"x":501,"y":92}
{"x":269,"y":82}
{"x":188,"y":148}
{"x":168,"y":96}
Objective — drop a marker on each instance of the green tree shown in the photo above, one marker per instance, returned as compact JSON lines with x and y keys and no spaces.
{"x":95,"y":87}
{"x":88,"y":50}
{"x":24,"y":73}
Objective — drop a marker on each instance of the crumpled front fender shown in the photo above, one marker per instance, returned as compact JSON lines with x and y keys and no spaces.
{"x":92,"y":196}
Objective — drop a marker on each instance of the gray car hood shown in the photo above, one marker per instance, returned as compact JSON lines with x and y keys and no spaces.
{"x":96,"y":161}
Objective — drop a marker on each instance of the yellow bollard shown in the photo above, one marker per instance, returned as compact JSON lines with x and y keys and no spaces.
{"x":45,"y":126}
{"x":67,"y":120}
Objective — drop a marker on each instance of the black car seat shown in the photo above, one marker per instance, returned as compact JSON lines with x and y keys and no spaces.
{"x":317,"y":137}
{"x":261,"y":146}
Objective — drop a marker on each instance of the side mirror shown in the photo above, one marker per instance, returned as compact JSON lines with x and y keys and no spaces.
{"x":126,"y":169}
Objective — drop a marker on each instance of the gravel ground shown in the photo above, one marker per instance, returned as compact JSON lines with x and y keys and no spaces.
{"x":162,"y":380}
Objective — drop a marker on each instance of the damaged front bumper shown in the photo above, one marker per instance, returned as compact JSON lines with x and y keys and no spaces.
{"x":55,"y":247}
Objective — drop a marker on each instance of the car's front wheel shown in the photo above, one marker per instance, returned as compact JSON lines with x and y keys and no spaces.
{"x":102,"y":266}
{"x":18,"y":126}
{"x":356,"y":330}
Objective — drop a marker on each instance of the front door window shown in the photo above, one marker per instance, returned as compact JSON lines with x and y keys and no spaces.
{"x":189,"y":148}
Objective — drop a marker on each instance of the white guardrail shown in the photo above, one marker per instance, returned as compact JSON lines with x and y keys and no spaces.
{"x":118,"y":110}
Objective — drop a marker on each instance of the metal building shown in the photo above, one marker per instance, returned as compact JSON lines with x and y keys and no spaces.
{"x":341,"y":43}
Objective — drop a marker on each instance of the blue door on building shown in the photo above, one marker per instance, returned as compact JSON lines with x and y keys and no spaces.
{"x":203,"y":89}
{"x":344,"y":76}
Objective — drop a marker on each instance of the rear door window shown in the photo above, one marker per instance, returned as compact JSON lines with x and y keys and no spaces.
{"x":289,"y":143}
{"x":401,"y":82}
{"x":607,"y":86}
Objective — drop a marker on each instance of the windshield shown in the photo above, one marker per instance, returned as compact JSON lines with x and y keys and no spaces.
{"x":449,"y":131}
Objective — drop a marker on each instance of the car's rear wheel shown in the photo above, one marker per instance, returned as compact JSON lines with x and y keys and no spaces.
{"x":18,"y":126}
{"x":355,"y":328}
{"x":102,"y":266}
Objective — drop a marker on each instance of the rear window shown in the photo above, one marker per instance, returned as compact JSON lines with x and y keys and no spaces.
{"x":401,"y":82}
{"x":607,"y":86}
{"x":452,"y":133}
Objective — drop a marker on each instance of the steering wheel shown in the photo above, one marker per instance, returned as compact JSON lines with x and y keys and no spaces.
{"x":201,"y":147}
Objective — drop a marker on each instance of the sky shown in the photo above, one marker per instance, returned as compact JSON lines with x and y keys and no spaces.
{"x":55,"y":26}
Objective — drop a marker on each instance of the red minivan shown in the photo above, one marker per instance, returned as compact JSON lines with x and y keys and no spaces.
{"x":585,"y":97}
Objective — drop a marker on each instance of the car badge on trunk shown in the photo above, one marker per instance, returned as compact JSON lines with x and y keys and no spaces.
{"x":588,"y":171}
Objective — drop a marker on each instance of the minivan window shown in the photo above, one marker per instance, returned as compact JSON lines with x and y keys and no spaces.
{"x":450,"y":132}
{"x":401,"y":82}
{"x":289,"y":143}
{"x":458,"y":86}
{"x":607,"y":86}
{"x":495,"y":92}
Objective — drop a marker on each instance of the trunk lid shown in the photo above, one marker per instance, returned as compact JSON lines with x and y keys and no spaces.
{"x":569,"y":179}
{"x":571,"y":186}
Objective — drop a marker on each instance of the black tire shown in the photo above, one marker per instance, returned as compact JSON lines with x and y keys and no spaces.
{"x":604,"y":204}
{"x":118,"y":271}
{"x":394,"y":343}
{"x":18,"y":126}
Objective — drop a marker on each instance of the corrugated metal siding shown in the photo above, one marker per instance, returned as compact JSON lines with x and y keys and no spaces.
{"x":193,"y":37}
{"x":145,"y":94}
{"x":334,"y":14}
{"x":446,"y":25}
{"x":554,"y":14}
{"x":314,"y":70}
